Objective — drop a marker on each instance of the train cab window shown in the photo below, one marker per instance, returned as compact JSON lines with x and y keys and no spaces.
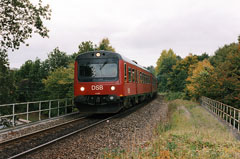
{"x":129,"y":74}
{"x":133,"y":75}
{"x":125,"y":72}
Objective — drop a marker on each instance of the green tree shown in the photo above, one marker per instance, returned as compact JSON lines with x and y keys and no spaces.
{"x":85,"y":46}
{"x":203,"y":57}
{"x":57,"y":59}
{"x":164,"y":68}
{"x":221,"y":54}
{"x":19,"y":19}
{"x":7,"y":86}
{"x":29,"y":81}
{"x":228,"y":79}
{"x":105,"y":45}
{"x":151,"y":69}
{"x":59,"y":83}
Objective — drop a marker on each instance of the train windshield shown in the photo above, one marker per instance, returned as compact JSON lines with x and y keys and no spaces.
{"x":96,"y":70}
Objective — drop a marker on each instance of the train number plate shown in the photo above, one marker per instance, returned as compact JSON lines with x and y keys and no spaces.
{"x":97,"y":87}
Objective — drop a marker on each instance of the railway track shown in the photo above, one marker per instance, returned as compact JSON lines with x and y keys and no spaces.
{"x":24,"y":145}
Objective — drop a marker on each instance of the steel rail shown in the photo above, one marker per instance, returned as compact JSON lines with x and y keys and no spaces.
{"x":39,"y":131}
{"x":60,"y":138}
{"x":126,"y":112}
{"x":36,"y":123}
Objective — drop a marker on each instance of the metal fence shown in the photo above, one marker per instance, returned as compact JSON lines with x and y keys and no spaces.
{"x":228,"y":113}
{"x":22,"y":113}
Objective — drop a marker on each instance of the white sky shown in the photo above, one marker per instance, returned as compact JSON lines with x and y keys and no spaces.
{"x":138,"y":29}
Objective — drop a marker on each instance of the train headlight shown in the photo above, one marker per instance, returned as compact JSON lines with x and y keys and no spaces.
{"x":98,"y":54}
{"x":113,"y":88}
{"x":82,"y":89}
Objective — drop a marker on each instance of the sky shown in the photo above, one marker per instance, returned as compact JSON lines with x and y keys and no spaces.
{"x":137,"y":29}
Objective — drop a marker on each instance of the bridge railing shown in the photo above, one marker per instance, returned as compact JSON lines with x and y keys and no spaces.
{"x":21,"y":113}
{"x":227,"y":113}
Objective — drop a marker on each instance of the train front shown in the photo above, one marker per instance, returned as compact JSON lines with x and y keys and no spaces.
{"x":97,"y":88}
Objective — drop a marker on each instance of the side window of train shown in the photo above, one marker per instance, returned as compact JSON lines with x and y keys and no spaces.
{"x":125,"y":72}
{"x":140,"y":77}
{"x":129,"y":74}
{"x":144,"y":78}
{"x":136,"y":76}
{"x":133,"y":75}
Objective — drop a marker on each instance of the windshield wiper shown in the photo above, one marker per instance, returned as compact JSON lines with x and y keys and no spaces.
{"x":103,"y":65}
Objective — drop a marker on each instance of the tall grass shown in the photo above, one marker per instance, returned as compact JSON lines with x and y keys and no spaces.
{"x":190,"y":133}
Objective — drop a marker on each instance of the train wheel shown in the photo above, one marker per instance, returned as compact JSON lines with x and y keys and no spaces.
{"x":126,"y":103}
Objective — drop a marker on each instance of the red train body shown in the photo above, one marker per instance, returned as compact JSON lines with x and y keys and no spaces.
{"x":106,"y":82}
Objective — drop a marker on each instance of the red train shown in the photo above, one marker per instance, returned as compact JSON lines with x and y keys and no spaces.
{"x":106,"y":82}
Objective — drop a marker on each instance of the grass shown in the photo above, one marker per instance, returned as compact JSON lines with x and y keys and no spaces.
{"x":190,"y":133}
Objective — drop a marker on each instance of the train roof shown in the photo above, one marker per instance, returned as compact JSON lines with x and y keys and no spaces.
{"x":109,"y":54}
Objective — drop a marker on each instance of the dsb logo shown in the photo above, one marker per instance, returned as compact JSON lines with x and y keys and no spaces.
{"x":97,"y":87}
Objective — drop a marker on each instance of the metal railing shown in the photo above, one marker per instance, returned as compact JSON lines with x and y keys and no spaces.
{"x":21,"y":113}
{"x":228,"y":113}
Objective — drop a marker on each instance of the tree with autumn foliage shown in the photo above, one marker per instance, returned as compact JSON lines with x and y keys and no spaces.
{"x":177,"y":78}
{"x":198,"y":82}
{"x":229,"y":79}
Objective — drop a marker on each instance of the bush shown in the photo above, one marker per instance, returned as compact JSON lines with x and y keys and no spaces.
{"x":174,"y":95}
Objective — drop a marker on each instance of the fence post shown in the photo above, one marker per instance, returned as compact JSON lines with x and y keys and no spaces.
{"x":230,"y":116}
{"x":39,"y":111}
{"x":224,"y":115}
{"x":65,"y":106}
{"x":50,"y":108}
{"x":238,"y":120}
{"x":13,"y":113}
{"x":27,"y":111}
{"x":227,"y":114}
{"x":222,"y":111}
{"x":58,"y":107}
{"x":234,"y":117}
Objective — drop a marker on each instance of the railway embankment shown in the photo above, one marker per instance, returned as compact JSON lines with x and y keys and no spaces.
{"x":191,"y":132}
{"x":160,"y":129}
{"x":124,"y":133}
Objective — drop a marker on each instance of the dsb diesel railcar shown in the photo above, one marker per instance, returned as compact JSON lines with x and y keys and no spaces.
{"x":106,"y":82}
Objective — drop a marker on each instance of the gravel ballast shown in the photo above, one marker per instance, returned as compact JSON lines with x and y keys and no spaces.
{"x":37,"y":126}
{"x":123,"y":133}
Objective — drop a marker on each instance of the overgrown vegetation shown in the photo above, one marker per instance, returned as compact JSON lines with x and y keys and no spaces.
{"x":191,"y":133}
{"x":216,"y":77}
